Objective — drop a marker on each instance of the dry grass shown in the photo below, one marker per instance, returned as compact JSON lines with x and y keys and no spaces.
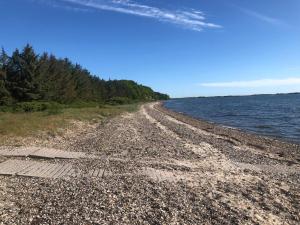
{"x":27,"y":124}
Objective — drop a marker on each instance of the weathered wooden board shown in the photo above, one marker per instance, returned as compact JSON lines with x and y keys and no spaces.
{"x":35,"y":169}
{"x":12,"y":167}
{"x":48,"y":171}
{"x":23,"y":151}
{"x":31,"y":168}
{"x":96,"y":172}
{"x":39,"y":152}
{"x":69,"y":155}
{"x":44,"y":153}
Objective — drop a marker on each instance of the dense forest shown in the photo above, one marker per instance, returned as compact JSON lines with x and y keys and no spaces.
{"x":26,"y":76}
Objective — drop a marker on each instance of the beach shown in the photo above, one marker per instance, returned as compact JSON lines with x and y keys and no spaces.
{"x":158,"y":167}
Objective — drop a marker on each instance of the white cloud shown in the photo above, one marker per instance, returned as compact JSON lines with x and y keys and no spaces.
{"x":262,"y":17}
{"x":254,"y":83}
{"x":190,"y":19}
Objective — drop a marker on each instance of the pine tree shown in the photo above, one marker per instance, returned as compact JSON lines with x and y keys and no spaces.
{"x":29,"y":64}
{"x":27,"y":76}
{"x":21,"y":75}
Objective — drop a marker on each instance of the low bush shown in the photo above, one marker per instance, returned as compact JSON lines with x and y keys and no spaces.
{"x":30,"y":107}
{"x":120,"y":101}
{"x":36,"y":106}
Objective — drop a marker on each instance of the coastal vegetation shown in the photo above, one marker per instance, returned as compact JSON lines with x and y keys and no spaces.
{"x":55,"y":120}
{"x":46,"y":93}
{"x":27,"y":78}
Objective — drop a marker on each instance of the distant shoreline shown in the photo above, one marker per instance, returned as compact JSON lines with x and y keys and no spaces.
{"x":237,"y":137}
{"x":225,"y":96}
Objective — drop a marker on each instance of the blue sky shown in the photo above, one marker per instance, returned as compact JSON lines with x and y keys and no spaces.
{"x":183,"y":48}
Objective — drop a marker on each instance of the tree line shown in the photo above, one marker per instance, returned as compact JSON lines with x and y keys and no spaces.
{"x":26,"y":76}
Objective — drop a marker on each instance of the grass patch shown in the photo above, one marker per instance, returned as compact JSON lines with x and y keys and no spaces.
{"x":24,"y":124}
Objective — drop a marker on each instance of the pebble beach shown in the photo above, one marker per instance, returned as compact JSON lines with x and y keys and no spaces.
{"x":161,"y":167}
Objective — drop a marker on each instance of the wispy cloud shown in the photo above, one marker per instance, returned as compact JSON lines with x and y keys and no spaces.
{"x":262,"y":17}
{"x":254,"y":83}
{"x":190,"y":19}
{"x":69,"y":8}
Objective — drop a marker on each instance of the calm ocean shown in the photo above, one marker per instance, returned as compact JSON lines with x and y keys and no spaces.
{"x":271,"y":115}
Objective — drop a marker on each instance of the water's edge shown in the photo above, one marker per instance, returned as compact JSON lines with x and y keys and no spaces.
{"x":235,"y":135}
{"x":212,"y":123}
{"x":273,"y":116}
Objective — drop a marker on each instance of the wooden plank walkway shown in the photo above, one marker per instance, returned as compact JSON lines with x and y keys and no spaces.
{"x":22,"y":151}
{"x":39,"y":152}
{"x":30,"y":168}
{"x":96,"y":173}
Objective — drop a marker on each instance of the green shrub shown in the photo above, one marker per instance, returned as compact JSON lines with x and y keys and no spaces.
{"x":30,"y":107}
{"x":120,"y":101}
{"x":5,"y":108}
{"x":5,"y":101}
{"x":51,"y":107}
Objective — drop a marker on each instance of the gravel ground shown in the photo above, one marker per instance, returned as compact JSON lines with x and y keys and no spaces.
{"x":162,"y":168}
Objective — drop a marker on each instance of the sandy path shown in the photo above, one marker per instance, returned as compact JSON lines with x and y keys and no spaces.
{"x":160,"y":171}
